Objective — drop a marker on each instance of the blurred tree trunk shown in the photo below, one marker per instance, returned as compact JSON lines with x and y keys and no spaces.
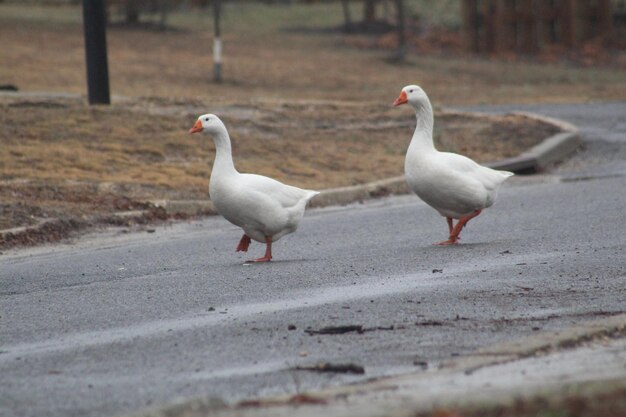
{"x":401,"y":28}
{"x":386,"y":10}
{"x":528,"y":40}
{"x":132,"y":11}
{"x":567,"y":23}
{"x":604,"y":19}
{"x":369,"y":11}
{"x":162,"y":5}
{"x":347,"y":17}
{"x":489,"y":19}
{"x":505,"y":33}
{"x":471,"y":39}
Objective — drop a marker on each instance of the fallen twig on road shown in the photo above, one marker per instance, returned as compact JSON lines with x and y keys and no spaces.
{"x":336,"y":330}
{"x":347,"y":329}
{"x":347,"y":368}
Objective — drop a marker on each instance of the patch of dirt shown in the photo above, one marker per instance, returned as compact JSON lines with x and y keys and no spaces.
{"x":64,"y":159}
{"x":56,"y":210}
{"x":606,"y":402}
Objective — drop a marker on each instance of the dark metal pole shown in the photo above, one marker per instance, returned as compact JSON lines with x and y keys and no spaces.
{"x":94,"y":21}
{"x":217,"y":42}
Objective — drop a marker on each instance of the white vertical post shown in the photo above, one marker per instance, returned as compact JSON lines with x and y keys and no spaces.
{"x":217,"y":42}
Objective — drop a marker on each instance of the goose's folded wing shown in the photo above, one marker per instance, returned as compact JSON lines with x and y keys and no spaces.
{"x":462,"y":165}
{"x":285,"y":195}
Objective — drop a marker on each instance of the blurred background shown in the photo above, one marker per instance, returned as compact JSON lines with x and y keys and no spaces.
{"x":462,"y":51}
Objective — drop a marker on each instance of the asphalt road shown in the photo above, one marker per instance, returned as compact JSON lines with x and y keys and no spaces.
{"x":120,"y":321}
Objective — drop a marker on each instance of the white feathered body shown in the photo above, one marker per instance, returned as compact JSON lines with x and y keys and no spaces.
{"x":261,"y":206}
{"x":452,"y":184}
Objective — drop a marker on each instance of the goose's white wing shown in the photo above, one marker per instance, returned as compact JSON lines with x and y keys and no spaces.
{"x":464,"y":166}
{"x":285,"y":195}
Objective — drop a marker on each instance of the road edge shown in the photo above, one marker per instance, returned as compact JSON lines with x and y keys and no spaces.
{"x":535,"y":345}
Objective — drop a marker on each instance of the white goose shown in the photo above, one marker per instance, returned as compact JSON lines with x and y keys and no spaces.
{"x":264,"y":208}
{"x":454,"y":185}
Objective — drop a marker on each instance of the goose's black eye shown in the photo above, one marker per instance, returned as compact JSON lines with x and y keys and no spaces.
{"x":206,"y":119}
{"x":410,"y":91}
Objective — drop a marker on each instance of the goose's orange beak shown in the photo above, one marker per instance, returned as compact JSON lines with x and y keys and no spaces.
{"x":196,"y":127}
{"x":401,"y":99}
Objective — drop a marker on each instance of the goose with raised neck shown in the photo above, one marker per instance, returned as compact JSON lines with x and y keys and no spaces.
{"x":454,"y":185}
{"x":264,"y":208}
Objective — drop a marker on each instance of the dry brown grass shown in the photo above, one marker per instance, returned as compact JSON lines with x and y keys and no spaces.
{"x":593,"y":399}
{"x":310,"y":144}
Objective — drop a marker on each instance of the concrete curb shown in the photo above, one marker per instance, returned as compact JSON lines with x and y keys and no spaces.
{"x":550,"y":151}
{"x":287,"y":405}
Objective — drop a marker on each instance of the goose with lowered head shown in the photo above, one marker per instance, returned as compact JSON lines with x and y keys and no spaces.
{"x":454,"y":185}
{"x":264,"y":208}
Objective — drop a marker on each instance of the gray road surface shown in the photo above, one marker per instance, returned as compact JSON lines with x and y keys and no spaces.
{"x":117,"y":322}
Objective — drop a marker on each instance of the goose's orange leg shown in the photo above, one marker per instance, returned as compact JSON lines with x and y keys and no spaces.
{"x":450,"y":240}
{"x":268,"y":251}
{"x":450,"y":225}
{"x":456,"y":231}
{"x":244,"y":243}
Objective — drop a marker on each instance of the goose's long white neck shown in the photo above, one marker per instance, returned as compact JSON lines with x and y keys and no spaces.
{"x":223,"y":153}
{"x":423,"y":135}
